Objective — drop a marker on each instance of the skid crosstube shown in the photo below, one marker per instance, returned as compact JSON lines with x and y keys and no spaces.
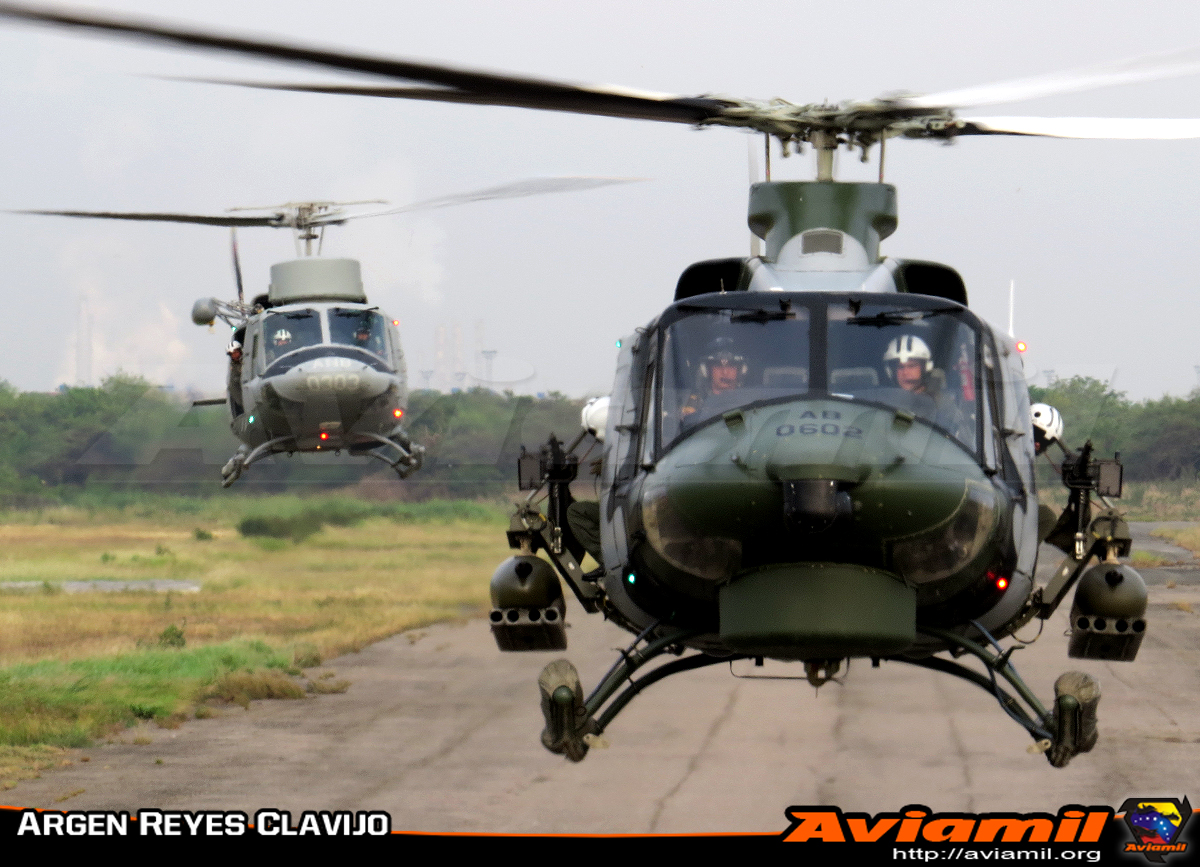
{"x":574,"y":723}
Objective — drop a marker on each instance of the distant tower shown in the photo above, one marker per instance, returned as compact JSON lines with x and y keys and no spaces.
{"x":478,"y":355}
{"x":460,"y":362}
{"x":487,"y":355}
{"x":1050,"y":377}
{"x":441,"y":365}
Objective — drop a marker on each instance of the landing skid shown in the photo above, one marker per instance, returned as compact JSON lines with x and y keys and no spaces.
{"x":571,"y":722}
{"x":408,"y":455}
{"x":1062,"y":733}
{"x":242,"y":459}
{"x":575,"y":723}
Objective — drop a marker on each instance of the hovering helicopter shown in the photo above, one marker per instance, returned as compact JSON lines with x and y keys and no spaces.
{"x":312,"y":366}
{"x":814,"y":454}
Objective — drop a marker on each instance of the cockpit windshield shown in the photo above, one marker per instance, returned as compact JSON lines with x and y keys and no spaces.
{"x":904,"y":353}
{"x":717,"y":360}
{"x":918,"y":360}
{"x":365,"y":329}
{"x":293,"y":329}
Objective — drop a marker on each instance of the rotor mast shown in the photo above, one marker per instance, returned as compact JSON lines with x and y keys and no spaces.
{"x":825,"y":143}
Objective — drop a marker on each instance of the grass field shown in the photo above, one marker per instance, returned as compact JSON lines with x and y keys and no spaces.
{"x":1184,"y":537}
{"x":75,"y":666}
{"x":1141,"y":501}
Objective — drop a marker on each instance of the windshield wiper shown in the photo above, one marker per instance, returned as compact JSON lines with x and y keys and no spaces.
{"x":763,"y":316}
{"x":898,"y":317}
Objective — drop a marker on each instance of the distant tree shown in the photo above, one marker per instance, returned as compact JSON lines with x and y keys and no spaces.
{"x":1091,"y":410}
{"x":1164,"y":440}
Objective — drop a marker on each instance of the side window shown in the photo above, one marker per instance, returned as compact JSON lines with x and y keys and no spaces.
{"x":249,"y":370}
{"x":1001,"y":410}
{"x":1019,"y":447}
{"x":991,"y":406}
{"x":397,"y":352}
{"x":647,"y":427}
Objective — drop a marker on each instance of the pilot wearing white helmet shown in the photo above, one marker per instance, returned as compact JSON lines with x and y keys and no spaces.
{"x":1047,"y":426}
{"x":908,"y":362}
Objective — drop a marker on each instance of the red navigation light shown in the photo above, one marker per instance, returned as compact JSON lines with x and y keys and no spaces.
{"x":398,"y":413}
{"x":1022,"y":346}
{"x":396,"y":322}
{"x":324,"y":435}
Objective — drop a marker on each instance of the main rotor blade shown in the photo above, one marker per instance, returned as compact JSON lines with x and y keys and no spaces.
{"x":162,"y":218}
{"x":1086,"y":127}
{"x":1150,"y":67}
{"x":515,"y":190}
{"x":487,"y":88}
{"x":579,"y":101}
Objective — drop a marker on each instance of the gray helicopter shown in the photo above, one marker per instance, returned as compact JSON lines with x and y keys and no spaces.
{"x":313,"y":366}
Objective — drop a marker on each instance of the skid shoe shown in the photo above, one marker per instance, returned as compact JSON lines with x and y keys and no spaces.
{"x":232,"y":470}
{"x":562,"y":706}
{"x":1076,"y":698}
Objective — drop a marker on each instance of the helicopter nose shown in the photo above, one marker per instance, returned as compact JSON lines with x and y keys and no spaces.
{"x":814,"y":505}
{"x":330,"y":378}
{"x":817,"y":480}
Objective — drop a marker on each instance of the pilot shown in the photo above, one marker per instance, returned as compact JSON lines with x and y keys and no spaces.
{"x":234,"y":383}
{"x":909,"y":362}
{"x":282,"y":340}
{"x":1047,"y":426}
{"x":583,"y":516}
{"x":237,"y":406}
{"x":362,"y":335}
{"x":722,"y":370}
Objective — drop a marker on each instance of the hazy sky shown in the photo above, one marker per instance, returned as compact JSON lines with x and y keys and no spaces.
{"x":1099,"y":236}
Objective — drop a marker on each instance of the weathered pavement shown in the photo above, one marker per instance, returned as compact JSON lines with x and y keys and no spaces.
{"x":441,"y":730}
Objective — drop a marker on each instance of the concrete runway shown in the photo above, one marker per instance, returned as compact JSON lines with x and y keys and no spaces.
{"x":441,"y":730}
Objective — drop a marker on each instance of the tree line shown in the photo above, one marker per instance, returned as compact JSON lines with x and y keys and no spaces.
{"x":128,"y":434}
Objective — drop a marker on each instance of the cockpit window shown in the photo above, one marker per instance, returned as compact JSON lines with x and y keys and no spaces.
{"x":717,"y":360}
{"x":294,"y":329}
{"x":365,"y":329}
{"x":918,"y":360}
{"x":897,"y":352}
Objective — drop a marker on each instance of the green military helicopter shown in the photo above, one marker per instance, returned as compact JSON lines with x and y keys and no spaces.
{"x":813,"y":454}
{"x":313,"y":366}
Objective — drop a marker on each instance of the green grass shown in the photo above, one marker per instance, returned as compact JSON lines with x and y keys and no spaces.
{"x":70,"y":703}
{"x":297,"y":519}
{"x":105,"y":505}
{"x":1150,"y":560}
{"x":76,"y":667}
{"x":1184,"y":537}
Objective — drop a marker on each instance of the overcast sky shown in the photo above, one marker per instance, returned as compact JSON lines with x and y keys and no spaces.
{"x":1099,"y":236}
